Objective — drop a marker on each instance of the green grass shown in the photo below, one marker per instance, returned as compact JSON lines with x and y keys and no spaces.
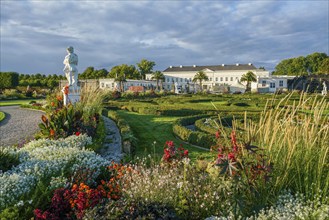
{"x":2,"y":116}
{"x":151,"y":128}
{"x":16,"y":102}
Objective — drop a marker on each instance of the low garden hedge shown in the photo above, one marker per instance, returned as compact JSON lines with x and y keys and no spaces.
{"x":193,"y":137}
{"x":127,"y":135}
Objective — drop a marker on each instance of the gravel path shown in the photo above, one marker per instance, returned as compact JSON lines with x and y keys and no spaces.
{"x":112,"y":149}
{"x":19,"y":125}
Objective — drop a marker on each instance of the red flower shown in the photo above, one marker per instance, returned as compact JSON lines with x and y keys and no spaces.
{"x":231,"y":156}
{"x":77,"y":133}
{"x":217,"y":134}
{"x":233,"y":140}
{"x":186,"y":153}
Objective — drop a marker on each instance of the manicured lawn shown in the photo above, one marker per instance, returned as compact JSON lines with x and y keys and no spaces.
{"x":2,"y":116}
{"x":151,"y":128}
{"x":16,"y":102}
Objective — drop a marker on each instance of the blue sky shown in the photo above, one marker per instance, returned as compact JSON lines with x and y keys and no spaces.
{"x":35,"y":34}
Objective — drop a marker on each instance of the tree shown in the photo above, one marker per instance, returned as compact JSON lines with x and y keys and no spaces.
{"x":158,"y":75}
{"x":324,"y":67}
{"x":8,"y":80}
{"x":200,"y":76}
{"x":145,"y":66}
{"x":88,"y":73}
{"x":102,"y":73}
{"x":301,"y":65}
{"x":121,"y":79}
{"x":314,"y":61}
{"x":248,"y":77}
{"x":129,"y":72}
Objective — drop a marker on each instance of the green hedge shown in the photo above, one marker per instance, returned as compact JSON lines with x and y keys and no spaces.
{"x":193,"y":137}
{"x":125,"y":130}
{"x":226,"y":120}
{"x":2,"y":116}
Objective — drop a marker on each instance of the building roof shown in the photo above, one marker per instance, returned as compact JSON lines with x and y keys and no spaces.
{"x":214,"y":67}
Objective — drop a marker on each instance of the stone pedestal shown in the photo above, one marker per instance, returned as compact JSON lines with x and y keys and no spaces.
{"x":70,"y":96}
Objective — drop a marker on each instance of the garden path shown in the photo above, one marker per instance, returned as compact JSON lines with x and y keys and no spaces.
{"x":19,"y":125}
{"x":112,"y":149}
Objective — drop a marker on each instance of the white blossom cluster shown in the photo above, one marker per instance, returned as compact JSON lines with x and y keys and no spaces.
{"x":296,"y":207}
{"x":288,"y":207}
{"x":44,"y":159}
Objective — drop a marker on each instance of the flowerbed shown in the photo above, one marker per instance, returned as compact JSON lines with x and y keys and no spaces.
{"x":44,"y":159}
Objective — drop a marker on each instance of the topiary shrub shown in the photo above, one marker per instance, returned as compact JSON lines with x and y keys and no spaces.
{"x":193,"y":137}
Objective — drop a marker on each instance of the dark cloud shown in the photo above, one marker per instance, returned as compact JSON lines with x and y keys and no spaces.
{"x":35,"y":34}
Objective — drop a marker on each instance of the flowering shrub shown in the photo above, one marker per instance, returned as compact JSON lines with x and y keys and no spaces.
{"x":171,"y":153}
{"x":244,"y":160}
{"x":59,"y":209}
{"x":39,"y":161}
{"x":75,"y":200}
{"x":288,"y":206}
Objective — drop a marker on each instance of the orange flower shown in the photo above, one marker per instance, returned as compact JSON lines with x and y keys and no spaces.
{"x":52,"y":132}
{"x":66,"y":90}
{"x":44,"y":119}
{"x":59,"y":98}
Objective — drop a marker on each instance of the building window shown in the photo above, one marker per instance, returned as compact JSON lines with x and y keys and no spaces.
{"x":281,"y":83}
{"x":264,"y":83}
{"x":190,"y":79}
{"x":185,"y":80}
{"x":176,"y":79}
{"x":216,"y":79}
{"x":102,"y":85}
{"x":210,"y":78}
{"x":231,"y":78}
{"x":272,"y":85}
{"x":168,"y":79}
{"x":226,"y":79}
{"x":237,"y":78}
{"x":221,"y":79}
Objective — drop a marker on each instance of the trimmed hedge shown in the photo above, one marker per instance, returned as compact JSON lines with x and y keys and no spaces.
{"x":127,"y":134}
{"x":193,"y":137}
{"x":2,"y":116}
{"x":226,"y":120}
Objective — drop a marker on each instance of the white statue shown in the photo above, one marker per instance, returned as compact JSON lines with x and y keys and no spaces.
{"x":70,"y":68}
{"x":324,"y":90}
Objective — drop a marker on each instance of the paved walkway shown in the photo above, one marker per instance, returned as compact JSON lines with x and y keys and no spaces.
{"x":19,"y":125}
{"x":112,"y":149}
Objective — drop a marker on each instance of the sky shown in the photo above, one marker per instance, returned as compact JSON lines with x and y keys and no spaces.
{"x":35,"y":34}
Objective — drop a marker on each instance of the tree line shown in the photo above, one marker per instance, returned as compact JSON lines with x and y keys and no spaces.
{"x":123,"y":70}
{"x":315,"y":63}
{"x":13,"y":79}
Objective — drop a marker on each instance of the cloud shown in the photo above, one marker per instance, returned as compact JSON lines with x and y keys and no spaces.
{"x":35,"y":34}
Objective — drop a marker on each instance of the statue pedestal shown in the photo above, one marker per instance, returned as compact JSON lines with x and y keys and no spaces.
{"x":70,"y":97}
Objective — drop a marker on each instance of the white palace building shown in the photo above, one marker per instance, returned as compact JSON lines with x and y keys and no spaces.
{"x":221,"y":78}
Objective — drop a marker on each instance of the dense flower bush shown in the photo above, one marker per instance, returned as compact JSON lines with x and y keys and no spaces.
{"x":288,"y":206}
{"x":46,"y":159}
{"x":72,"y":202}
